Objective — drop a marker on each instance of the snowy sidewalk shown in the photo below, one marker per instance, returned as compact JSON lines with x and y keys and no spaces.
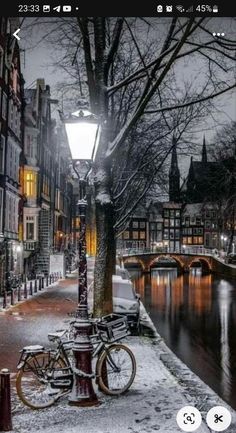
{"x":150,"y":405}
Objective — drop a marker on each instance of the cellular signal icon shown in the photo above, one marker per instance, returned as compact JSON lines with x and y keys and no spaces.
{"x":190,"y":9}
{"x":180,"y":8}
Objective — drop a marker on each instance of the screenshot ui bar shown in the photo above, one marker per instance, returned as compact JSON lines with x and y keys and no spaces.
{"x":104,"y":8}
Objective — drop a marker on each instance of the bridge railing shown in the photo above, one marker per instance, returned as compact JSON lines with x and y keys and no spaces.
{"x":165,"y":250}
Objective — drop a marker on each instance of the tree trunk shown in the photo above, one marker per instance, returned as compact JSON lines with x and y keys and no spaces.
{"x":106,"y":251}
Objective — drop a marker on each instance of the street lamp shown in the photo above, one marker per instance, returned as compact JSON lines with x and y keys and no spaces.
{"x":224,"y":240}
{"x":82,"y":130}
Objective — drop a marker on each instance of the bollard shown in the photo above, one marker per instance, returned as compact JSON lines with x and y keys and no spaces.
{"x":5,"y":396}
{"x":35,"y":285}
{"x":42,"y":282}
{"x":50,"y":279}
{"x":31,"y":288}
{"x":12,"y":297}
{"x":47,"y":281}
{"x":25,"y":290}
{"x":4,"y":301}
{"x":19,"y":293}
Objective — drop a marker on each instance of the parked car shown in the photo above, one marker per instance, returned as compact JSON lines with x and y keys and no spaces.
{"x":125,"y":300}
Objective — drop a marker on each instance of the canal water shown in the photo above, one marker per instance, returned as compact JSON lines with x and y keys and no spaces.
{"x":196,"y":316}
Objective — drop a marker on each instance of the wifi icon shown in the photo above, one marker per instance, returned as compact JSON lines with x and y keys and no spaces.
{"x":180,"y":8}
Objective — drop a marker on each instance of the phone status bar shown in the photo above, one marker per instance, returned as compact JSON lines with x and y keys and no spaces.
{"x":122,"y":8}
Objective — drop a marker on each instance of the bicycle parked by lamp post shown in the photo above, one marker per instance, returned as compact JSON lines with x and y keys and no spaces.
{"x":46,"y":375}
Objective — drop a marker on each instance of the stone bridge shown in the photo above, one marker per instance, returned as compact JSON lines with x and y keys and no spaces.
{"x":184,"y":261}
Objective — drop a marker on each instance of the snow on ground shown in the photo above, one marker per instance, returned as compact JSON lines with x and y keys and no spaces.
{"x":150,"y":405}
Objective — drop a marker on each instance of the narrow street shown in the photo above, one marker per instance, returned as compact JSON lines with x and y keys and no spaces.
{"x":29,"y":322}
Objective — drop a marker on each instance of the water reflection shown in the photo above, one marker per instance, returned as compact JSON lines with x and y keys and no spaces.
{"x":196,"y":315}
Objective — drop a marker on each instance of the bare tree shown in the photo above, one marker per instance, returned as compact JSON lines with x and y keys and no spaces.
{"x":130,"y":69}
{"x":224,"y":152}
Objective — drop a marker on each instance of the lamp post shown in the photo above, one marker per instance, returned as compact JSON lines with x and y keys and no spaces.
{"x":82,"y":130}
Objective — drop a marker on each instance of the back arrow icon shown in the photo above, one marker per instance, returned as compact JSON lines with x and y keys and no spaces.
{"x":15,"y":34}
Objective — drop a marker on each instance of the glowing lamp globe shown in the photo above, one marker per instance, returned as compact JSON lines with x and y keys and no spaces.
{"x":82,"y":129}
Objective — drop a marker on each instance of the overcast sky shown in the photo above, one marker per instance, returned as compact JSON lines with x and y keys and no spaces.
{"x":36,"y":61}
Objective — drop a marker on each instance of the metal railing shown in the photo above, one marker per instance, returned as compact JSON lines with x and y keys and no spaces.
{"x":30,"y":245}
{"x":166,"y":250}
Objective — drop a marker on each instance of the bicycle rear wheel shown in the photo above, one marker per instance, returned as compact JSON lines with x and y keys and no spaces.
{"x":32,"y":385}
{"x":116,"y":369}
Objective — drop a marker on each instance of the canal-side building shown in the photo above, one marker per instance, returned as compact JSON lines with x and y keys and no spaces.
{"x":47,"y":183}
{"x":172,"y":226}
{"x":135,"y":234}
{"x":197,"y":214}
{"x":192,"y":225}
{"x":11,"y":98}
{"x":63,"y":205}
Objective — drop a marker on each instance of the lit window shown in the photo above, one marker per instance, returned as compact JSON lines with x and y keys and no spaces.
{"x":126,"y":235}
{"x":142,"y":235}
{"x":30,"y":183}
{"x":198,"y":240}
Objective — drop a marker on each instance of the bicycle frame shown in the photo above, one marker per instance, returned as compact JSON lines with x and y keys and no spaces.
{"x":61,"y":377}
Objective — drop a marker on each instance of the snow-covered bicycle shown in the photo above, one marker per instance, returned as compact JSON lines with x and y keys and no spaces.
{"x":45,"y":375}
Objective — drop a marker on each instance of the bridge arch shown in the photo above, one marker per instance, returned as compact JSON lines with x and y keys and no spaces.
{"x":177,"y":259}
{"x":205,"y":264}
{"x":134,"y":260}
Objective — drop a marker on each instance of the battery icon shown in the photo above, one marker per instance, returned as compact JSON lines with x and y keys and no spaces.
{"x":215,"y":9}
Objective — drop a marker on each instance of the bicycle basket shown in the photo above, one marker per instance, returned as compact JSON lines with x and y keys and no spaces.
{"x":113,"y":327}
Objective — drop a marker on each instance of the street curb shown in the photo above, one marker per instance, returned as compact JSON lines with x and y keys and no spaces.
{"x":197,"y":392}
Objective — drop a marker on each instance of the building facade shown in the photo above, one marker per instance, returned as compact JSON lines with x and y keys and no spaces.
{"x":47,"y":188}
{"x":11,"y":109}
{"x":201,"y":213}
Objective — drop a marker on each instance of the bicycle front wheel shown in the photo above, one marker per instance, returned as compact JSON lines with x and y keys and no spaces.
{"x":116,"y":369}
{"x":32,"y":385}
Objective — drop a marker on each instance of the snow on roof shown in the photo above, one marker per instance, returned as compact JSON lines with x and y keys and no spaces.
{"x":193,"y":209}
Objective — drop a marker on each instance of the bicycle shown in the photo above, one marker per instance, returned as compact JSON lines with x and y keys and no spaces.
{"x":46,"y":375}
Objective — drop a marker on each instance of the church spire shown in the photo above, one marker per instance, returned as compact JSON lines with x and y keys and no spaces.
{"x":204,"y":151}
{"x":174,"y":175}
